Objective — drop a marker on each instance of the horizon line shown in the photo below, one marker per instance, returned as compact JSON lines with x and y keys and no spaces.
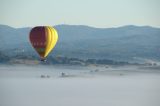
{"x":118,"y":26}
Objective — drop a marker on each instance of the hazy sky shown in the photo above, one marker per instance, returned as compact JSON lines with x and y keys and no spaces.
{"x":97,"y":13}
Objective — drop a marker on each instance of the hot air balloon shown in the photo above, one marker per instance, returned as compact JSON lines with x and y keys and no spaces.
{"x":43,"y":40}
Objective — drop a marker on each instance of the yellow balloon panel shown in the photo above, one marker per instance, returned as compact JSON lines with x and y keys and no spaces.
{"x":51,"y":39}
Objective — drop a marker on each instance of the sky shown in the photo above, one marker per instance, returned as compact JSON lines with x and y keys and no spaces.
{"x":96,"y":13}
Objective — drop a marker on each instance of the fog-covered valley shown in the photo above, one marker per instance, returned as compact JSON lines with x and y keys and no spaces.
{"x":94,"y":85}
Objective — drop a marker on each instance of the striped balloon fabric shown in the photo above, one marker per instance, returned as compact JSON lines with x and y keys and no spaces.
{"x":43,"y":39}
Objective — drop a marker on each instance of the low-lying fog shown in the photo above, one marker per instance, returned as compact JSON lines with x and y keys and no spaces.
{"x":39,"y":85}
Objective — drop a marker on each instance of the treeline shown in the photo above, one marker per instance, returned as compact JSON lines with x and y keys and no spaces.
{"x":77,"y":61}
{"x":27,"y":59}
{"x":3,"y":58}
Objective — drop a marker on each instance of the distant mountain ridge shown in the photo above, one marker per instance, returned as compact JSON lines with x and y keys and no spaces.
{"x":80,"y":41}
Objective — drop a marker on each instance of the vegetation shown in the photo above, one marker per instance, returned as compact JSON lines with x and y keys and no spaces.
{"x":30,"y":59}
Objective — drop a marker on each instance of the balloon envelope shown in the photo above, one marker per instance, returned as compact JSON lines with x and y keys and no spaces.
{"x":43,"y":39}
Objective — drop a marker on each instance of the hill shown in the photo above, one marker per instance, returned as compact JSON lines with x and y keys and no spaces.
{"x":125,"y":43}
